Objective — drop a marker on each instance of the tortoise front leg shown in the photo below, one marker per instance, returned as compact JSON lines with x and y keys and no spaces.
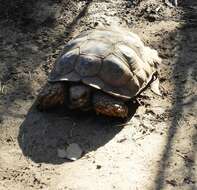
{"x":109,"y":106}
{"x":53,"y":94}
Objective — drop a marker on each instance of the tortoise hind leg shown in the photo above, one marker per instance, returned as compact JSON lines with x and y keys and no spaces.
{"x":51,"y":96}
{"x":109,"y":106}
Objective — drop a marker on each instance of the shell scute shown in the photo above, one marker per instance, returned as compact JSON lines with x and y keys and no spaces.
{"x":114,"y":72}
{"x":112,"y":60}
{"x":88,"y":65}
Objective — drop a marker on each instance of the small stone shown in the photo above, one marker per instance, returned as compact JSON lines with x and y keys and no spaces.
{"x":121,"y":140}
{"x":98,"y":167}
{"x":73,"y":151}
{"x":172,"y":182}
{"x":61,"y":153}
{"x":96,"y":24}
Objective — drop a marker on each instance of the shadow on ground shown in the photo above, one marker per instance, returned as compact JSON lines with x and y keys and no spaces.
{"x":41,"y":134}
{"x":184,"y":72}
{"x":28,"y":38}
{"x":34,"y":14}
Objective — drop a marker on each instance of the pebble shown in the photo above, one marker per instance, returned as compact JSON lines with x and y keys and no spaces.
{"x":72,"y":152}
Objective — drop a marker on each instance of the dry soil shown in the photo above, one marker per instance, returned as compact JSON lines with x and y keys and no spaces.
{"x":155,"y":150}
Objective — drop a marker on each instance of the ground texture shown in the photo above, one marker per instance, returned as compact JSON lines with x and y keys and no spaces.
{"x":155,"y":150}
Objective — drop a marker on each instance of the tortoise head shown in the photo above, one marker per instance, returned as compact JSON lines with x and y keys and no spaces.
{"x":79,"y":96}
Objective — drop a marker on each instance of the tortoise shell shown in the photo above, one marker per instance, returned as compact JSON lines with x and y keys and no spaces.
{"x":113,"y":60}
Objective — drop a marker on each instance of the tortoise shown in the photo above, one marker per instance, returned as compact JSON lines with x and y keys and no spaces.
{"x":101,"y":69}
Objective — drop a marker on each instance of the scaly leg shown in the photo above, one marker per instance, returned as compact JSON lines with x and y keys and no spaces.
{"x":53,"y":94}
{"x":110,"y":106}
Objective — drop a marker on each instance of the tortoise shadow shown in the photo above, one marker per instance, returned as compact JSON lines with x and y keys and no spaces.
{"x":42,"y":133}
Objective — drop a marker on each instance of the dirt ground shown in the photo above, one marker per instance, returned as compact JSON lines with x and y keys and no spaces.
{"x":155,"y":150}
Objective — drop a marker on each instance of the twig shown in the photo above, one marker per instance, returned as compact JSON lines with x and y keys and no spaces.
{"x":123,"y":124}
{"x":2,"y":89}
{"x":168,"y":3}
{"x":141,"y":137}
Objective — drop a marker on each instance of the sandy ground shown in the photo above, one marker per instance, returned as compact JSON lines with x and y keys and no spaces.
{"x":156,"y":150}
